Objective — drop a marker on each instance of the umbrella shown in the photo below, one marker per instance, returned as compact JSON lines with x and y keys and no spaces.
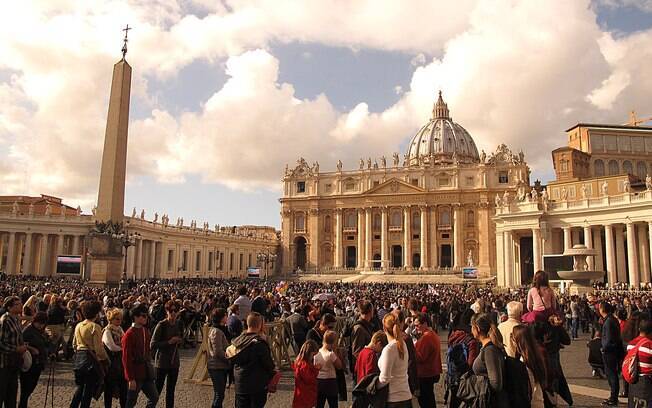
{"x":323,"y":296}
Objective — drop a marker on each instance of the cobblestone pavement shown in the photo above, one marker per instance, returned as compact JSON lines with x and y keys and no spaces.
{"x":587,"y":391}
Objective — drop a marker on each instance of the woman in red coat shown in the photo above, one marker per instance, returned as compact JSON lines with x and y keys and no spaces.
{"x":305,"y":376}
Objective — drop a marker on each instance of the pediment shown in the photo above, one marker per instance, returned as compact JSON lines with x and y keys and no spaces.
{"x":394,"y":186}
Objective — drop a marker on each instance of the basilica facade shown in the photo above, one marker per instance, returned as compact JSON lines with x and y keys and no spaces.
{"x":427,"y":211}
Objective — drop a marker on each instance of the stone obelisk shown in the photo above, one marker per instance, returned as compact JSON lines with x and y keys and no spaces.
{"x":105,"y":249}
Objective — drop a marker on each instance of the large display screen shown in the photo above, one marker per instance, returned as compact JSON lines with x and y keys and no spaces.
{"x":69,"y":264}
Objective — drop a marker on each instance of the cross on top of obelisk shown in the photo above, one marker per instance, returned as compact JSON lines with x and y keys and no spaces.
{"x":124,"y":46}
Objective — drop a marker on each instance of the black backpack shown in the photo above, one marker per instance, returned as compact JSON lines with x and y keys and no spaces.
{"x":456,"y":365}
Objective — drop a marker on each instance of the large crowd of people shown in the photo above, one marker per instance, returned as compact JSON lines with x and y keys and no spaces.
{"x":503,"y":346}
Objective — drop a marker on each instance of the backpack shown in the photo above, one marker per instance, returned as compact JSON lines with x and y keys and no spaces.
{"x":630,"y":368}
{"x":456,"y":366}
{"x":519,"y":392}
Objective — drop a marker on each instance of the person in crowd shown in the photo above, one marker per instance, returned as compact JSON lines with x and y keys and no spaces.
{"x":252,"y":363}
{"x":490,"y":361}
{"x":575,"y":313}
{"x":233,"y":322}
{"x":361,"y":332}
{"x":541,"y":299}
{"x":114,"y":382}
{"x":640,"y":393}
{"x":137,"y":360}
{"x":528,"y":350}
{"x":34,"y":335}
{"x":298,"y":327}
{"x":428,"y":348}
{"x":126,"y":314}
{"x":630,"y":331}
{"x":166,"y":339}
{"x":367,"y":362}
{"x":90,"y":359}
{"x":12,"y":348}
{"x":244,"y":303}
{"x":305,"y":376}
{"x":316,"y":334}
{"x":259,"y":304}
{"x":612,"y":351}
{"x":56,"y":323}
{"x":595,"y":355}
{"x":217,"y":363}
{"x":328,"y":361}
{"x":514,"y":312}
{"x":30,"y":307}
{"x":393,"y":364}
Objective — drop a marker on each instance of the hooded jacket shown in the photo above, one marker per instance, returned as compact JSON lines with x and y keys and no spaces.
{"x":252,"y":363}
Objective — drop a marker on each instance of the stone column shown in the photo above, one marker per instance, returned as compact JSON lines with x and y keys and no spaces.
{"x":43,"y":258}
{"x":11,"y":254}
{"x":338,"y":238}
{"x":423,"y":237}
{"x":588,"y":241}
{"x":597,"y":244}
{"x":632,"y":258}
{"x":361,"y":238}
{"x":433,"y":237}
{"x":500,"y":259}
{"x":568,"y":238}
{"x":612,"y":272}
{"x":643,"y":253}
{"x":131,"y":261}
{"x":457,"y":242}
{"x":383,"y":238}
{"x":621,"y":262}
{"x":163,"y":261}
{"x":367,"y":235}
{"x":314,"y":230}
{"x":2,"y":248}
{"x":152,"y":259}
{"x":139,"y":259}
{"x":75,"y":245}
{"x":407,"y":238}
{"x":509,"y":258}
{"x":27,"y":260}
{"x":536,"y":249}
{"x":60,"y":241}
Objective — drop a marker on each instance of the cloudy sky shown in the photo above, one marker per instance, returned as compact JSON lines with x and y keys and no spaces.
{"x":225,"y":93}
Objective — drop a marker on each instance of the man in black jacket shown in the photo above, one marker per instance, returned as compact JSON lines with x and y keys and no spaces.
{"x":252,"y":363}
{"x":612,"y":351}
{"x":361,"y":333}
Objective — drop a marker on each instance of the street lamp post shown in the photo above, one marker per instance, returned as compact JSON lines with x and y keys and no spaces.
{"x":127,"y":240}
{"x":265,"y":258}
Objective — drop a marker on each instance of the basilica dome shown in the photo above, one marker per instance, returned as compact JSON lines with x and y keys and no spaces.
{"x":441,"y":140}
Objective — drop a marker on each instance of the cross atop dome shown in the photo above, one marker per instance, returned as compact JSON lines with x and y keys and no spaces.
{"x":440,"y":110}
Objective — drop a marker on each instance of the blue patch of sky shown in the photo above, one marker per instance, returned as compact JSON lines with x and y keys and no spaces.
{"x":347,"y":77}
{"x":194,"y":200}
{"x":623,"y":19}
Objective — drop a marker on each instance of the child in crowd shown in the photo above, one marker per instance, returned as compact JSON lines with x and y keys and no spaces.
{"x":367,"y":362}
{"x":595,"y":354}
{"x":328,"y":361}
{"x":305,"y":376}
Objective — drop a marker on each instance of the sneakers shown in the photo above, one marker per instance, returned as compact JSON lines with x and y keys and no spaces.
{"x":609,"y":403}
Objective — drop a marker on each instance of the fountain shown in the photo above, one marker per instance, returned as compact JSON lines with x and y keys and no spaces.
{"x":580,"y":275}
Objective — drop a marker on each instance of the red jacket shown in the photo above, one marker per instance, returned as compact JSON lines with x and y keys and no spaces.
{"x":428,"y":355}
{"x":367,"y":363}
{"x":135,"y":350}
{"x":305,"y":385}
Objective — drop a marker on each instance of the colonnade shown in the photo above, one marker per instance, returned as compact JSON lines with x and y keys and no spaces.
{"x":35,"y":253}
{"x":625,"y":253}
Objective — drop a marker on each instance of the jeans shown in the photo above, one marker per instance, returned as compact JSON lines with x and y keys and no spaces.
{"x":172,"y":374}
{"x":8,"y":387}
{"x":327,"y":391}
{"x":575,"y":325}
{"x":611,"y":364}
{"x":427,"y":392}
{"x":149,"y":389}
{"x":87,"y":383}
{"x":28,"y":382}
{"x":257,"y":400}
{"x":218,"y":377}
{"x":111,"y":383}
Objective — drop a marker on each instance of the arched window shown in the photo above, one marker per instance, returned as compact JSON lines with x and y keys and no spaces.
{"x":349,"y":220}
{"x":613,"y":168}
{"x":470,"y":218}
{"x":416,"y":221}
{"x":300,"y":222}
{"x":598,"y":168}
{"x":641,"y":170}
{"x":627,"y":167}
{"x":445,"y":217}
{"x":395,"y":221}
{"x":327,"y":223}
